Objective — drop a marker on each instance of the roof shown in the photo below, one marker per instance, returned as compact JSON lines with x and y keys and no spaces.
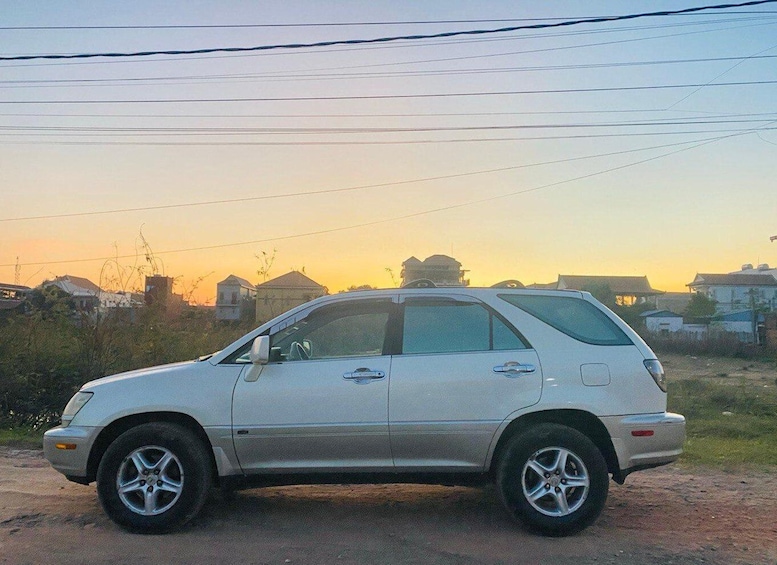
{"x":740,"y":316}
{"x":7,"y":286}
{"x":620,"y":285}
{"x":75,"y":285}
{"x":437,"y":260}
{"x":292,"y":279}
{"x":232,"y":279}
{"x":659,"y":314}
{"x":762,"y":269}
{"x":441,"y":260}
{"x":714,"y":279}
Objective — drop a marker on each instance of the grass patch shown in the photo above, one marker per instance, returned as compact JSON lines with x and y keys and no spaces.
{"x":727,"y":424}
{"x":22,"y":438}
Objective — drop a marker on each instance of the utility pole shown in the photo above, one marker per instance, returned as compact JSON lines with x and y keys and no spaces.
{"x":17,"y":272}
{"x":753,"y":316}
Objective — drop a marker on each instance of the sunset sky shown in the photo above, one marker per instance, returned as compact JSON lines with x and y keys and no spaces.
{"x":645,"y":146}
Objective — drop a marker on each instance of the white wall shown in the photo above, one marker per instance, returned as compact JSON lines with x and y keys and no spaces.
{"x":657,"y":324}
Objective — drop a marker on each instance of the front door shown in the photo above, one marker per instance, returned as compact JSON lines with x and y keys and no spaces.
{"x":321,"y":404}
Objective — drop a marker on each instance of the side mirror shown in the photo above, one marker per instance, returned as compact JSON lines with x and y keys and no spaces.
{"x":260,"y":355}
{"x":260,"y":350}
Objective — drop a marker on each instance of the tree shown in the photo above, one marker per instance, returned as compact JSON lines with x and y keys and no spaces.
{"x":265,"y":264}
{"x":700,"y":306}
{"x":603,"y":293}
{"x":354,"y":287}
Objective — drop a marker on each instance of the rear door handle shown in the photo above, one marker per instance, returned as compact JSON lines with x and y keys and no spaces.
{"x":364,"y":375}
{"x":514,"y":369}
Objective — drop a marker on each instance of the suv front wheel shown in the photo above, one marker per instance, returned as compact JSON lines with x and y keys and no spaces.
{"x":154,"y":478}
{"x":553,"y":479}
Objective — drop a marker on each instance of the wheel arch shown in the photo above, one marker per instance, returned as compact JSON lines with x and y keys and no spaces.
{"x":118,"y":427}
{"x":580,"y":420}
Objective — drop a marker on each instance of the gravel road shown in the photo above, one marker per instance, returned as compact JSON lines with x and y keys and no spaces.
{"x":667,"y":515}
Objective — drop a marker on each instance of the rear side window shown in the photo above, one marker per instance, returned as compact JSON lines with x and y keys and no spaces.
{"x":576,"y":318}
{"x":448,"y":326}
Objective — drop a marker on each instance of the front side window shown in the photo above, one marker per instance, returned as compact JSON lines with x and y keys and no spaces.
{"x":449,"y":326}
{"x":577,"y":318}
{"x":343,"y":330}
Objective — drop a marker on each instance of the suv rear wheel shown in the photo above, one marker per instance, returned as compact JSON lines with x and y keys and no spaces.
{"x":553,"y":479}
{"x":154,"y":478}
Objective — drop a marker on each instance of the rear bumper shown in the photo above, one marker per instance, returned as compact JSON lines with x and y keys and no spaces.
{"x":645,"y":441}
{"x":67,"y":449}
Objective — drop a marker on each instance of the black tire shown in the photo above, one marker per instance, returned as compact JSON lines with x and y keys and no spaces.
{"x":165,"y":471}
{"x":553,"y":479}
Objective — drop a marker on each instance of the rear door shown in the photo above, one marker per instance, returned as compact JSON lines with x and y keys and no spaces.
{"x":462,"y":370}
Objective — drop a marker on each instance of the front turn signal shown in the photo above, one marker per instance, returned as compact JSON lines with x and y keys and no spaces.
{"x":66,"y":446}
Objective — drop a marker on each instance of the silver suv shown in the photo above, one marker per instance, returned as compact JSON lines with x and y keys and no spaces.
{"x":547,"y":393}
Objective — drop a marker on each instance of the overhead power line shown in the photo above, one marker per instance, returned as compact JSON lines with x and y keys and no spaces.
{"x":392,"y":96}
{"x":705,"y":114}
{"x":414,"y":37}
{"x":296,"y":76}
{"x":298,"y":143}
{"x":336,"y":190}
{"x":459,"y":58}
{"x":402,"y":217}
{"x":281,"y":25}
{"x":302,"y":25}
{"x":242,"y":131}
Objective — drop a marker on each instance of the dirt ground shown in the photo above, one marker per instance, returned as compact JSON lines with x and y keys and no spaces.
{"x":720,"y":369}
{"x":668,"y":515}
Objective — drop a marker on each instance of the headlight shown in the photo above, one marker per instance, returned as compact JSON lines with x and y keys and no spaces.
{"x":656,"y":371}
{"x":76,"y":403}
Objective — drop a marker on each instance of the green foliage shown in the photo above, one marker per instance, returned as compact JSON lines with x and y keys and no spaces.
{"x":22,"y":438}
{"x":727,"y":423}
{"x":631,"y":314}
{"x":354,"y":287}
{"x":700,"y":306}
{"x":47,"y":354}
{"x":603,"y":293}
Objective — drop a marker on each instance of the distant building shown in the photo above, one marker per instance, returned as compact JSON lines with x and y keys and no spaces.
{"x":12,"y":296}
{"x":738,"y":291}
{"x":440,"y":269}
{"x":159,"y":290}
{"x":628,"y":290}
{"x":89,"y":297}
{"x":233,"y":296}
{"x":744,"y":324}
{"x":159,"y":293}
{"x":662,"y":321}
{"x":284,"y":293}
{"x":762,"y":269}
{"x":85,"y":294}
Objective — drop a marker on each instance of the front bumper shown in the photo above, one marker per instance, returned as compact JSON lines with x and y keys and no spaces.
{"x":67,"y":449}
{"x":647,"y":440}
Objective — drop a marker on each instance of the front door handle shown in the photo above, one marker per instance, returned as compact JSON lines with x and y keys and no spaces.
{"x":364,"y":375}
{"x":514,"y":369}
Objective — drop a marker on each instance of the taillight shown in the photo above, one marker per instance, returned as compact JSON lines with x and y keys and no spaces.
{"x":656,"y":371}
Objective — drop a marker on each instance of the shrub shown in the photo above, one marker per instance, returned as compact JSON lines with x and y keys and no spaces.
{"x":46,"y":355}
{"x":722,"y":344}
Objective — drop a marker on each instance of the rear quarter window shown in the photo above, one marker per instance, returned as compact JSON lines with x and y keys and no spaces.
{"x":576,"y":318}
